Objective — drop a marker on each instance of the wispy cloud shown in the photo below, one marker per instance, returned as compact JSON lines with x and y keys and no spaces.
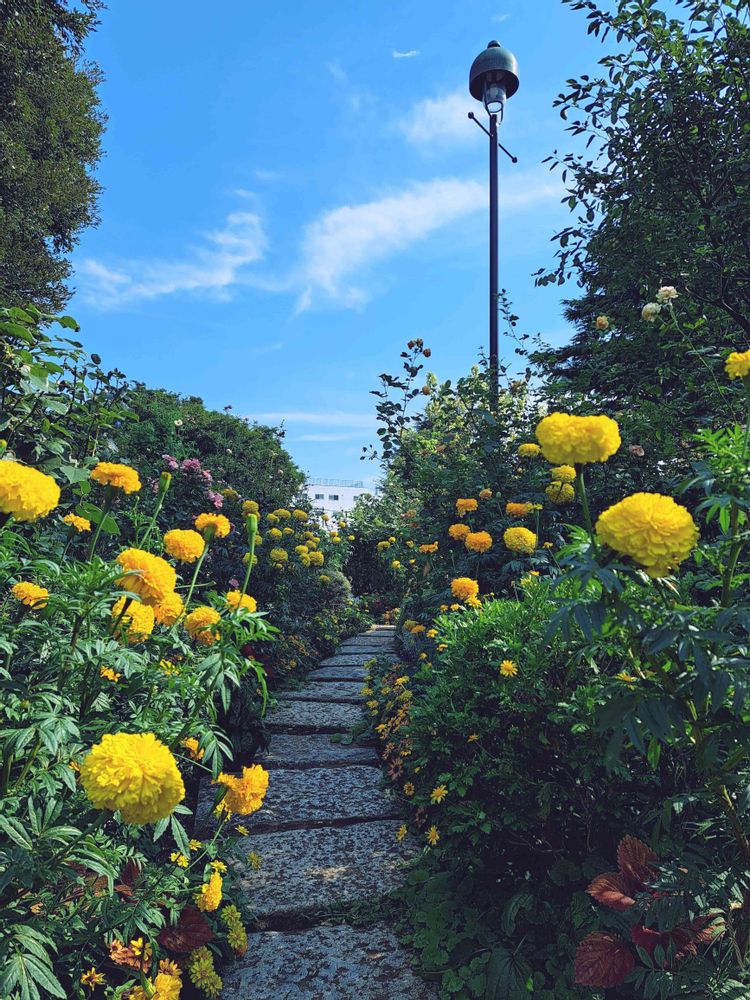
{"x":499,"y":18}
{"x":440,"y":120}
{"x":410,"y":54}
{"x":256,"y":352}
{"x":213,"y":267}
{"x":327,"y":418}
{"x":345,"y":87}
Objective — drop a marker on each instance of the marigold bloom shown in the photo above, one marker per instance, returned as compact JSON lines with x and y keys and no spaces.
{"x":428,"y":548}
{"x":133,"y":773}
{"x":438,"y":794}
{"x":478,"y":541}
{"x":519,"y":540}
{"x":571,"y":440}
{"x":79,"y":524}
{"x":518,"y":509}
{"x":652,"y":529}
{"x":166,"y":986}
{"x":560,"y":493}
{"x":485,"y":494}
{"x":190,"y":743}
{"x":147,"y":575}
{"x":122,"y":477}
{"x":198,"y":625}
{"x":529,"y":450}
{"x":433,"y":836}
{"x":299,"y":515}
{"x":563,"y":474}
{"x":737,"y":364}
{"x":30,"y":594}
{"x":184,"y":545}
{"x":170,"y":610}
{"x":244,"y":794}
{"x":666,"y":294}
{"x":209,"y":894}
{"x":279,"y":556}
{"x":217,"y":524}
{"x":137,"y":620}
{"x":466,"y":506}
{"x":508,"y":668}
{"x":275,"y":533}
{"x":316,"y":558}
{"x":464,"y":588}
{"x":417,"y":629}
{"x":109,"y":674}
{"x":235,"y":599}
{"x":26,"y":493}
{"x":250,"y":507}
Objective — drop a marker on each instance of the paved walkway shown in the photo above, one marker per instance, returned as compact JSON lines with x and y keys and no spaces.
{"x":326,"y":837}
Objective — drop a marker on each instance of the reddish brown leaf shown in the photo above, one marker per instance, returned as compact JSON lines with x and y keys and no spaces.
{"x":191,"y":932}
{"x":603,"y":960}
{"x":648,"y":939}
{"x":613,"y":890}
{"x":128,"y":878}
{"x":633,"y":860}
{"x":124,"y":955}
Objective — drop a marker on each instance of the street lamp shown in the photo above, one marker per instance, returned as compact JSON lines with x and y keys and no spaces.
{"x":493,"y":78}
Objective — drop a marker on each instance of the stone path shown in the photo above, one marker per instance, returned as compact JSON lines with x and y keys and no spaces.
{"x":326,"y":837}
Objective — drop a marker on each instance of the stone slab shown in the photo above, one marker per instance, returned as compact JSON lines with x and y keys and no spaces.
{"x":386,"y":647}
{"x":313,"y":716}
{"x":348,"y":673}
{"x":297,"y":798}
{"x":329,"y":691}
{"x":325,"y":963}
{"x":369,"y":640}
{"x":305,"y":872}
{"x":313,"y":750}
{"x":355,"y":659}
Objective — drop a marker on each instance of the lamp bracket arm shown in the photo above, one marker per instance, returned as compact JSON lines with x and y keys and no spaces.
{"x":511,"y":157}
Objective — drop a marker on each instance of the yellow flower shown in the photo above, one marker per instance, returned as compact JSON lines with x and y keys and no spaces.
{"x":244,"y":795}
{"x":166,"y":986}
{"x":200,"y":966}
{"x":417,"y":629}
{"x":409,"y":789}
{"x":179,"y":859}
{"x":209,"y":894}
{"x":401,"y":832}
{"x":478,"y":541}
{"x":184,"y":545}
{"x":133,"y":773}
{"x":253,"y":858}
{"x":395,"y":564}
{"x":317,"y":558}
{"x":26,"y":493}
{"x":138,"y":619}
{"x":508,"y":668}
{"x":529,"y":450}
{"x":428,"y":548}
{"x":547,"y":545}
{"x":109,"y":674}
{"x":463,"y":588}
{"x":382,"y":546}
{"x":30,"y":594}
{"x":279,"y":556}
{"x":283,"y":514}
{"x":191,"y":745}
{"x":170,"y":610}
{"x":236,"y":599}
{"x":236,"y":934}
{"x":433,"y":836}
{"x":79,"y":524}
{"x":218,"y":866}
{"x":275,"y":533}
{"x":250,"y":507}
{"x":459,"y":531}
{"x":168,"y":668}
{"x":122,"y":477}
{"x":560,"y":493}
{"x":442,"y":646}
{"x":738,"y":364}
{"x":518,"y":509}
{"x":272,"y":519}
{"x":563,"y":474}
{"x":92,"y":979}
{"x":216,"y":523}
{"x":602,"y":323}
{"x":242,"y":830}
{"x":571,"y":440}
{"x":466,"y":506}
{"x":195,"y":845}
{"x":652,"y":529}
{"x":626,"y":678}
{"x":147,"y":575}
{"x":198,"y":625}
{"x":438,"y":794}
{"x":431,"y":632}
{"x":473,"y":738}
{"x":485,"y":494}
{"x":299,"y":515}
{"x":519,"y":540}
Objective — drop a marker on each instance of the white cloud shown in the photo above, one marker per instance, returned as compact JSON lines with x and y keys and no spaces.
{"x":499,"y":18}
{"x":213,"y":267}
{"x":410,"y":54}
{"x":440,"y":120}
{"x":256,"y":352}
{"x":328,"y":418}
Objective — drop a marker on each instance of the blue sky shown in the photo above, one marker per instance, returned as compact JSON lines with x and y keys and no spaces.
{"x":293,"y":191}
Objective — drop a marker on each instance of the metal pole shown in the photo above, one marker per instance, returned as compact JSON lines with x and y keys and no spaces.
{"x":494,"y":345}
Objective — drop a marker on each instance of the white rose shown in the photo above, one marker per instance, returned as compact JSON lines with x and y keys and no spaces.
{"x":178,"y":423}
{"x":666,"y":293}
{"x":650,"y":311}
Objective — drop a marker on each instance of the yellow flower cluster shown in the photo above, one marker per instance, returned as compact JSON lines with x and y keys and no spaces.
{"x":299,"y":515}
{"x":244,"y":794}
{"x":428,"y":548}
{"x":465,"y":506}
{"x":459,"y":531}
{"x":209,"y":895}
{"x":198,"y":625}
{"x":170,"y":610}
{"x":382,"y":546}
{"x":121,"y":477}
{"x":279,"y":556}
{"x":138,"y":619}
{"x":485,"y":494}
{"x":200,"y":966}
{"x":518,"y":509}
{"x":184,"y":545}
{"x":30,"y":594}
{"x":572,"y":440}
{"x":560,"y":493}
{"x":108,"y":674}
{"x":133,"y":773}
{"x":652,"y":529}
{"x":235,"y":599}
{"x":216,"y":525}
{"x":738,"y":364}
{"x":190,"y":743}
{"x":147,"y":575}
{"x":519,"y":540}
{"x":26,"y":493}
{"x":317,"y":558}
{"x":236,"y":933}
{"x":79,"y":524}
{"x":529,"y":450}
{"x":250,"y":507}
{"x":465,"y":589}
{"x":478,"y":541}
{"x":166,"y":986}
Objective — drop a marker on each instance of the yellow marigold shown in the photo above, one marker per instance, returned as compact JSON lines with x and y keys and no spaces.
{"x":135,"y":773}
{"x":26,"y":493}
{"x":236,"y":599}
{"x":465,"y":506}
{"x":485,"y":494}
{"x":250,"y":507}
{"x":190,"y":743}
{"x":79,"y":524}
{"x":244,"y":794}
{"x":529,"y":450}
{"x":433,"y":836}
{"x":275,"y":533}
{"x":216,"y":523}
{"x":164,"y":987}
{"x":463,"y":588}
{"x":602,"y":323}
{"x":428,"y":548}
{"x":432,"y":632}
{"x":519,"y":539}
{"x":272,"y":519}
{"x":283,"y":514}
{"x":138,"y":620}
{"x":737,"y":364}
{"x":147,"y":575}
{"x":508,"y":668}
{"x":652,"y":529}
{"x":184,"y":545}
{"x":478,"y":541}
{"x":109,"y":674}
{"x":122,"y":477}
{"x":170,"y":610}
{"x":563,"y":474}
{"x":279,"y":556}
{"x":396,"y":564}
{"x":299,"y":515}
{"x":571,"y":440}
{"x":417,"y":629}
{"x":382,"y":546}
{"x":198,"y":625}
{"x":518,"y":509}
{"x":200,"y":966}
{"x":209,"y":894}
{"x":30,"y":594}
{"x":459,"y":531}
{"x":317,"y":559}
{"x":442,"y":646}
{"x":560,"y":493}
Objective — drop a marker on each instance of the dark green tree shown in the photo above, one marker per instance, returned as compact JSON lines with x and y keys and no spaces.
{"x":50,"y":142}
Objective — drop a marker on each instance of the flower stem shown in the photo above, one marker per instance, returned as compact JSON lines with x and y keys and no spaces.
{"x":252,"y":530}
{"x":585,"y":505}
{"x":209,"y":535}
{"x":109,"y":498}
{"x":164,"y":482}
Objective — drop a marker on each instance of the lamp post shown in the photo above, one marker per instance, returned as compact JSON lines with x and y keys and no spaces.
{"x":493,"y":78}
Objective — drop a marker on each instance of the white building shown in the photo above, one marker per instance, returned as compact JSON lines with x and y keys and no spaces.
{"x":336,"y":495}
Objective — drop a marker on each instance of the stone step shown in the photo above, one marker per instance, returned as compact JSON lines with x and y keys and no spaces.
{"x":304,"y":872}
{"x":348,"y":691}
{"x":313,"y":716}
{"x":324,"y":795}
{"x":355,"y":659}
{"x":346,"y":673}
{"x":369,"y":640}
{"x":291,"y":750}
{"x":368,"y":651}
{"x":326,"y":963}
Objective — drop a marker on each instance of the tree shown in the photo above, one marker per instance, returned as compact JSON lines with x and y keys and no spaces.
{"x":662,"y":197}
{"x":50,"y":141}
